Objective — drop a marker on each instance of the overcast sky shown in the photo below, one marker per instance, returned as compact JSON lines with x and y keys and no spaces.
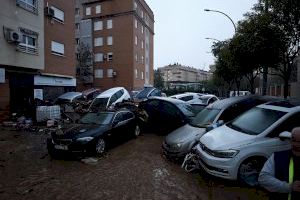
{"x":181,"y":27}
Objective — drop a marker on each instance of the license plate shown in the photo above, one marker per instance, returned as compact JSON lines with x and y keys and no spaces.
{"x":61,"y":147}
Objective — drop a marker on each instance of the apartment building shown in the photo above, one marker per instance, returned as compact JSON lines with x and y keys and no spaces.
{"x":122,"y":42}
{"x":59,"y":74}
{"x":22,"y":51}
{"x":177,"y":75}
{"x":37,"y":57}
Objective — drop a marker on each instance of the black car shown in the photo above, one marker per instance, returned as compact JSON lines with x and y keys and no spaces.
{"x":146,"y":93}
{"x":164,"y":114}
{"x":94,"y":132}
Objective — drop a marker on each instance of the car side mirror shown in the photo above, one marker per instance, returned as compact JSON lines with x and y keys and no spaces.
{"x":210,"y":127}
{"x":285,"y":135}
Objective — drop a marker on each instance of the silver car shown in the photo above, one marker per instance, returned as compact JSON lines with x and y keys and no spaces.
{"x":180,"y":142}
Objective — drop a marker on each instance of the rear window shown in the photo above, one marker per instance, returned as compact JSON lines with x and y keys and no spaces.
{"x":99,"y":104}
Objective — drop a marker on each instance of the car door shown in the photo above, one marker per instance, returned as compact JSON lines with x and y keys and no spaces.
{"x":122,"y":124}
{"x":170,"y":116}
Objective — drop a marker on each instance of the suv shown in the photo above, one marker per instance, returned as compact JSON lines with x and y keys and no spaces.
{"x":239,"y":149}
{"x":180,"y":142}
{"x":109,"y":98}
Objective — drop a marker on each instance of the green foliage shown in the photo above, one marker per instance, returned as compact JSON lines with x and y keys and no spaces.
{"x":158,"y":79}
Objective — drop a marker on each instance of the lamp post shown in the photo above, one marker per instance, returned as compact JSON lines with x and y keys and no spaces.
{"x":208,"y":38}
{"x":208,"y":10}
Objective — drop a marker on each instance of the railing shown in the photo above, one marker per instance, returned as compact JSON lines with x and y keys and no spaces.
{"x":27,"y":6}
{"x":27,"y":49}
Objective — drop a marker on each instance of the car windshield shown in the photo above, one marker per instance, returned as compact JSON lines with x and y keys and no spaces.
{"x":143,"y":94}
{"x":255,"y":121}
{"x":205,"y":117}
{"x":186,"y":109}
{"x":100,"y":118}
{"x":99,"y":104}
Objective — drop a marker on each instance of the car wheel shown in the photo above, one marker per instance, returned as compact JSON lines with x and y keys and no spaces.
{"x":249,"y":170}
{"x":137,"y":131}
{"x":100,"y":147}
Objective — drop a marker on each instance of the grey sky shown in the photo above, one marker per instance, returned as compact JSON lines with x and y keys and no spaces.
{"x":181,"y":27}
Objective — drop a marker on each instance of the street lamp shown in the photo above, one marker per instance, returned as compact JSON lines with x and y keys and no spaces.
{"x":208,"y":38}
{"x":208,"y":10}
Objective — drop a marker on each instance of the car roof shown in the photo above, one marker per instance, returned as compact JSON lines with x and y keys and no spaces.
{"x":168,"y":99}
{"x":69,"y":95}
{"x":224,"y":103}
{"x":109,"y":92}
{"x":183,"y":95}
{"x":284,"y":106}
{"x":208,"y":95}
{"x":89,"y":91}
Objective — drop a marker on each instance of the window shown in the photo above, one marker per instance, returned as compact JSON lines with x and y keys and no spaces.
{"x":59,"y":15}
{"x":57,"y":48}
{"x":142,"y":44}
{"x":28,"y":44}
{"x":109,"y":40}
{"x":88,"y":11}
{"x":109,"y":24}
{"x":142,"y":29}
{"x":136,"y":73}
{"x":110,"y":73}
{"x":98,"y":73}
{"x":119,"y":93}
{"x":287,"y":125}
{"x":98,"y":26}
{"x":136,"y":57}
{"x":98,"y":9}
{"x":136,"y":40}
{"x":142,"y":59}
{"x":109,"y":56}
{"x":98,"y":57}
{"x":142,"y":14}
{"x":77,"y":26}
{"x":135,"y":23}
{"x":98,"y":42}
{"x":30,"y":5}
{"x":135,"y":5}
{"x":142,"y":75}
{"x":77,"y":11}
{"x":77,"y":40}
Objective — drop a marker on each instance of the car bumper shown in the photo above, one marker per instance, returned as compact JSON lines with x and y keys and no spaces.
{"x":175,"y":154}
{"x":219,"y":167}
{"x":72,"y":147}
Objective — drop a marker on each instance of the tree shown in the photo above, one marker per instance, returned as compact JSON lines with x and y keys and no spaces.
{"x":285,"y":16}
{"x":158,"y":79}
{"x":85,"y":63}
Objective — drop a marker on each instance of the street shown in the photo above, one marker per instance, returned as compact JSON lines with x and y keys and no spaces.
{"x":133,"y":170}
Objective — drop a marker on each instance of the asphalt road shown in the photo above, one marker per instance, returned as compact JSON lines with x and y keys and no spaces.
{"x":133,"y":170}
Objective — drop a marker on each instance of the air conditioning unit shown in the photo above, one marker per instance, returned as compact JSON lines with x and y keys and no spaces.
{"x":114,"y":73}
{"x":104,"y":57}
{"x":14,"y":37}
{"x":49,"y":12}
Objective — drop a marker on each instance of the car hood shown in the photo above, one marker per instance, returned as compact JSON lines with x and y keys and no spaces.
{"x":223,"y":138}
{"x":80,"y":130}
{"x":184,"y":133}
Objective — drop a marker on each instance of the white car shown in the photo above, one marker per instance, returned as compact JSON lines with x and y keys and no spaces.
{"x":68,"y":97}
{"x":188,"y":97}
{"x":238,"y":149}
{"x":109,"y":98}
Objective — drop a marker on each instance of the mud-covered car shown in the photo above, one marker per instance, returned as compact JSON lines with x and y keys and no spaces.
{"x":163,"y":114}
{"x":94,"y":132}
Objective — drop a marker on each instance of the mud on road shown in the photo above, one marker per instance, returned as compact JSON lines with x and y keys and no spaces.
{"x":133,"y":170}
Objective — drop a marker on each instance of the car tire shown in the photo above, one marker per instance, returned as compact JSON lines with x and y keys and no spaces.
{"x":100,"y":147}
{"x":137,"y":131}
{"x":249,"y":170}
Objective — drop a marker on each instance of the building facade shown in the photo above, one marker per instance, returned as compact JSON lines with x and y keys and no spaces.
{"x":122,"y":42}
{"x":177,"y":75}
{"x":37,"y":57}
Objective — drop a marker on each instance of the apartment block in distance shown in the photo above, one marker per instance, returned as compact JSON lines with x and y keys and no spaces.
{"x":176,"y":76}
{"x":22,"y":52}
{"x":122,"y":42}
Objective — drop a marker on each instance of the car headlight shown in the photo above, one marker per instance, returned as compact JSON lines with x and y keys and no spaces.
{"x":176,"y":146}
{"x":84,"y":139}
{"x":225,"y":154}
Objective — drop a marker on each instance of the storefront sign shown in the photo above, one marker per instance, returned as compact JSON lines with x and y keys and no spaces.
{"x":2,"y":75}
{"x":38,"y":94}
{"x":54,"y":81}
